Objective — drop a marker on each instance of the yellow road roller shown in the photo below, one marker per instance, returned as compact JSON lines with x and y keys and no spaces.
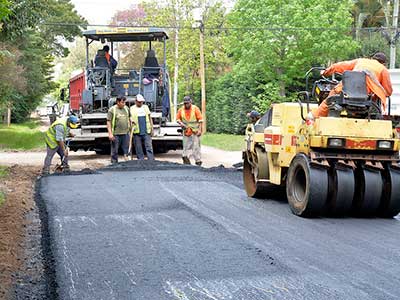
{"x":342,"y":164}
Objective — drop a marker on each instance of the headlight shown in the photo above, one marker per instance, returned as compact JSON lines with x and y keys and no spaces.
{"x":385,"y":145}
{"x":334,"y":142}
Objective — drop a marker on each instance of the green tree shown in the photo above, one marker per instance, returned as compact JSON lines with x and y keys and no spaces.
{"x":282,"y":51}
{"x":31,"y":27}
{"x":4,"y":10}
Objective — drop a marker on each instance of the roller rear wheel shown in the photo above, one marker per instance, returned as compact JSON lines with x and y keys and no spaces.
{"x":390,"y":202}
{"x":368,"y":192}
{"x":306,"y":187}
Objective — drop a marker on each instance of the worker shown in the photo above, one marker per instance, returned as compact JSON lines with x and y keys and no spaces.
{"x":190,"y":119}
{"x":111,"y":62}
{"x":254,"y":116}
{"x":55,"y":138}
{"x":118,"y":125}
{"x":142,"y":128}
{"x":377,"y":79}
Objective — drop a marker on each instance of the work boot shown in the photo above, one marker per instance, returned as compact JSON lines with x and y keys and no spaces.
{"x":198,"y":163}
{"x":66,"y":169}
{"x":186,"y":160}
{"x":45,"y":171}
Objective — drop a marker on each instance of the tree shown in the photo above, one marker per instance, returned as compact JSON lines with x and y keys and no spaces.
{"x":282,"y":51}
{"x":4,"y":10}
{"x":31,"y":27}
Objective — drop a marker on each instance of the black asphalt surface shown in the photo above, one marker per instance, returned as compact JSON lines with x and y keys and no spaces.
{"x":159,"y":232}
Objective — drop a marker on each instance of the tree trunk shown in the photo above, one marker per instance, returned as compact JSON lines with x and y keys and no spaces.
{"x":8,"y":116}
{"x":282,"y":86}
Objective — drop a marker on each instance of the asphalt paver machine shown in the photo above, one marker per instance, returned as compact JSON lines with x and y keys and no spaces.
{"x":94,"y":91}
{"x":345,"y":163}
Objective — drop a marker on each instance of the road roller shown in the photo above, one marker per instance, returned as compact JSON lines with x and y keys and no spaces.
{"x":344,"y":164}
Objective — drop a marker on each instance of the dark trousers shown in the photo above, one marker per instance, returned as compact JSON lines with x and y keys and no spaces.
{"x":139,"y":140}
{"x":50,"y":155}
{"x":121,"y":140}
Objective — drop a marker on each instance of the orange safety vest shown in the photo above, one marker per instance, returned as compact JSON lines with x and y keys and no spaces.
{"x":192,"y":123}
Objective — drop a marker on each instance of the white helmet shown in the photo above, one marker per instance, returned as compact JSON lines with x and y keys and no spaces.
{"x":140,"y":98}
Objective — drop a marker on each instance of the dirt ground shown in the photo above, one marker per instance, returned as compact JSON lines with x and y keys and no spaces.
{"x":20,"y":266}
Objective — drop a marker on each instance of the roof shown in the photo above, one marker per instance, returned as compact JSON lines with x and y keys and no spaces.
{"x":126,"y":34}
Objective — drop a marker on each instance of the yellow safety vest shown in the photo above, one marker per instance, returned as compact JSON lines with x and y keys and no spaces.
{"x":192,"y":122}
{"x":135,"y":118}
{"x":114,"y":117}
{"x":50,"y":135}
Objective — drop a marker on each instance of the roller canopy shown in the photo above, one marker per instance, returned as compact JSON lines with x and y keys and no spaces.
{"x":126,"y":34}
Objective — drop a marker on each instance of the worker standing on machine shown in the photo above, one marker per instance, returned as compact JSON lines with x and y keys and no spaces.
{"x":142,"y":128}
{"x":377,"y":79}
{"x":190,"y":119}
{"x":55,"y":138}
{"x":118,"y":125}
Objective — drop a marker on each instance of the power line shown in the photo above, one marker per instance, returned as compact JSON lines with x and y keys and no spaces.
{"x":229,"y":28}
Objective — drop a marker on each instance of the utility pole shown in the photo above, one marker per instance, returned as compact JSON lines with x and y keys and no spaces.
{"x":394,"y":35}
{"x":202,"y":77}
{"x":176,"y":69}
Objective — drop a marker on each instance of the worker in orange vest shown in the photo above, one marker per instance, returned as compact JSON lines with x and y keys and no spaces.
{"x":111,"y":61}
{"x":378,"y":79}
{"x":190,"y":119}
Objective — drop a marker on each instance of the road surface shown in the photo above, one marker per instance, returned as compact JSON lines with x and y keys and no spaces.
{"x":158,"y":231}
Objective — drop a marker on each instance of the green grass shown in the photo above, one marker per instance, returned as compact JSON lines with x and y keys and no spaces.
{"x":228,"y":142}
{"x":2,"y":198}
{"x":3,"y":171}
{"x":24,"y":136}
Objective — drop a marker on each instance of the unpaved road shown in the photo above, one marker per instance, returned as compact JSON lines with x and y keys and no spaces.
{"x":157,"y":231}
{"x":80,"y":160}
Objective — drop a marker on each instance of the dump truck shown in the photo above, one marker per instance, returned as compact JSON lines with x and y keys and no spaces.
{"x":344,"y":164}
{"x":94,"y":90}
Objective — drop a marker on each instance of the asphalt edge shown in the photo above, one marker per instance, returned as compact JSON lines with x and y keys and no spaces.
{"x":48,"y":257}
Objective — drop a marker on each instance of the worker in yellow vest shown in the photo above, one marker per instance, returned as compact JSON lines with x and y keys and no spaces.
{"x":142,"y":127}
{"x":118,"y":125}
{"x":55,"y":138}
{"x":190,"y":119}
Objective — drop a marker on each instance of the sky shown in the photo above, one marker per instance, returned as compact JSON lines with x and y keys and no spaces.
{"x":101,"y":11}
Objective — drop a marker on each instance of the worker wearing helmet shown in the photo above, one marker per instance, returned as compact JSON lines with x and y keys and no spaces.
{"x":55,"y":138}
{"x":118,"y":125}
{"x":142,"y":128}
{"x":378,"y":79}
{"x":190,"y":119}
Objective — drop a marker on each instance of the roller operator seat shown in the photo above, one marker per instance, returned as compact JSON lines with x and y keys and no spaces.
{"x":151,"y":62}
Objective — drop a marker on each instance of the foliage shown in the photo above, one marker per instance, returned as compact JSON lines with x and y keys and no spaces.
{"x":25,"y":136}
{"x":177,"y":13}
{"x":35,"y":38}
{"x":227,"y":142}
{"x":283,"y":52}
{"x":231,"y":98}
{"x":4,"y":9}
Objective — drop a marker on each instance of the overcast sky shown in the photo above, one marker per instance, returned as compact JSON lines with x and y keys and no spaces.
{"x":101,"y":11}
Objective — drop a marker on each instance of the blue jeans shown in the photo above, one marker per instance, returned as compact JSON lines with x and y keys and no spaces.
{"x":121,"y":140}
{"x":138,"y":141}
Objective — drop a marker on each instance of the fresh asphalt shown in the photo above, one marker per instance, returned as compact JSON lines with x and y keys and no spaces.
{"x":166,"y":232}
